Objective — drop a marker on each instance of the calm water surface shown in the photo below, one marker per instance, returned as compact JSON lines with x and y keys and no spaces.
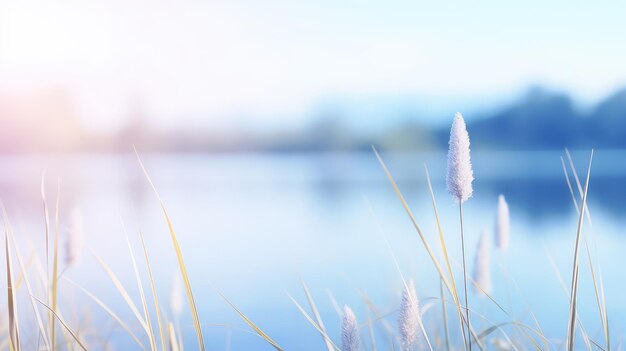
{"x":253,"y":225}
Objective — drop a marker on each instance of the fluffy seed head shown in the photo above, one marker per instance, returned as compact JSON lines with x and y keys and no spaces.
{"x":482,"y":266}
{"x":503,"y":225}
{"x":74,"y":240}
{"x":176,"y":296}
{"x":349,"y":331}
{"x":460,"y":175}
{"x":409,"y":318}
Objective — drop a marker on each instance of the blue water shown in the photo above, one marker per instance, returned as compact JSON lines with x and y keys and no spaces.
{"x":252,"y":226}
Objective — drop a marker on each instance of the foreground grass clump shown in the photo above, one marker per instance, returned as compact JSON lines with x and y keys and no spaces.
{"x":47,"y":324}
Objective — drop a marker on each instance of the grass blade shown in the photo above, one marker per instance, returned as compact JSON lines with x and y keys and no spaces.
{"x":55,"y":268}
{"x":82,"y":346}
{"x":580,"y":189}
{"x":179,"y":257}
{"x":315,"y":325}
{"x":571,"y":328}
{"x":154,"y":293}
{"x":14,"y":335}
{"x":122,"y":291}
{"x":444,"y":250}
{"x":598,"y":288}
{"x":109,"y":312}
{"x":142,"y":296}
{"x":38,"y":318}
{"x":430,"y":252}
{"x":258,"y":330}
{"x":172,"y":336}
{"x":317,"y":316}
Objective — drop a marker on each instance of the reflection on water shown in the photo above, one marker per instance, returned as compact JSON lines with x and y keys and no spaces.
{"x":253,"y":224}
{"x":534,"y":183}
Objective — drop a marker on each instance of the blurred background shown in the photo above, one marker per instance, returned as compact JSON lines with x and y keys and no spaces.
{"x":256,"y":121}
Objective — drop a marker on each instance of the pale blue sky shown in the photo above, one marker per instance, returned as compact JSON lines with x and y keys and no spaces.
{"x":268,"y":63}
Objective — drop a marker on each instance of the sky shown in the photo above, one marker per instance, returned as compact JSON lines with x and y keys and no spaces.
{"x":263,"y":64}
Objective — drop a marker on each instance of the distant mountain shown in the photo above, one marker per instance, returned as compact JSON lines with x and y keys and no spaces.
{"x":548,"y":120}
{"x":541,"y":119}
{"x":607,"y":122}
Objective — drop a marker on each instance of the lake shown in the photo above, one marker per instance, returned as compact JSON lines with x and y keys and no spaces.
{"x":254,"y":225}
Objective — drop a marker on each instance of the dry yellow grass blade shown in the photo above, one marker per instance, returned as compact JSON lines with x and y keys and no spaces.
{"x":317,"y":316}
{"x":142,"y":296}
{"x":258,"y":330}
{"x":314,"y":324}
{"x":109,"y":312}
{"x":120,"y":288}
{"x":42,"y":329}
{"x":14,"y":335}
{"x":23,"y":275}
{"x":181,"y":262}
{"x":444,"y":249}
{"x":571,"y":327}
{"x":67,"y":328}
{"x":444,"y":313}
{"x":155,"y":298}
{"x":55,"y":269}
{"x":172,"y":337}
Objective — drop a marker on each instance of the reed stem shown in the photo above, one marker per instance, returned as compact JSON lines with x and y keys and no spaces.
{"x":469,"y":336}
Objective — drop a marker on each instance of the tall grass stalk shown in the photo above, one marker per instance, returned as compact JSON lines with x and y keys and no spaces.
{"x":571,"y":327}
{"x":313,"y":323}
{"x":110,"y":312}
{"x":442,"y":275}
{"x":34,"y":305}
{"x":120,"y":288}
{"x":64,"y":325}
{"x":444,"y":313}
{"x":24,"y":275}
{"x":55,"y":269}
{"x":598,"y":284}
{"x":14,"y":334}
{"x":258,"y":330}
{"x":174,"y":345}
{"x":442,"y":242}
{"x":142,"y":295}
{"x":155,"y":298}
{"x":459,"y":179}
{"x":318,"y":317}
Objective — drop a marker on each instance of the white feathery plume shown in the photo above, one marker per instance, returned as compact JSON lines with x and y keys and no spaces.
{"x":349,"y":331}
{"x":503,"y":224}
{"x":74,"y":240}
{"x":176,"y":296}
{"x":409,"y":318}
{"x":482,"y":266}
{"x":460,"y":175}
